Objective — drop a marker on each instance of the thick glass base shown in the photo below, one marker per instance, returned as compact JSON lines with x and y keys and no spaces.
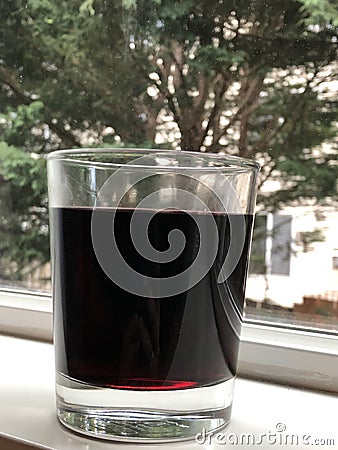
{"x":151,"y":416}
{"x":145,"y":426}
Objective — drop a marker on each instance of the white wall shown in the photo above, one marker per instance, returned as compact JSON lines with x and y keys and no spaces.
{"x":311,"y":273}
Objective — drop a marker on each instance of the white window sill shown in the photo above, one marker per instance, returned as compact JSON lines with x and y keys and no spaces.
{"x":283,"y":355}
{"x":27,"y":410}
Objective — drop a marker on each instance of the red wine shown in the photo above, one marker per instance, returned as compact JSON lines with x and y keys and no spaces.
{"x":109,"y":337}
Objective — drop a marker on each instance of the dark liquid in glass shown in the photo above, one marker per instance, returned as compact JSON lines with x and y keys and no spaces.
{"x":108,"y":337}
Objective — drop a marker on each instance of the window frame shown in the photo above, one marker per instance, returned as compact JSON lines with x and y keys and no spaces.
{"x":285,"y":354}
{"x":26,"y":314}
{"x":289,"y":354}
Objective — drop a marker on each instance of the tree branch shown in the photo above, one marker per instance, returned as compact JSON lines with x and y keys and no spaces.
{"x":264,"y":177}
{"x":249,"y":92}
{"x":216,"y":110}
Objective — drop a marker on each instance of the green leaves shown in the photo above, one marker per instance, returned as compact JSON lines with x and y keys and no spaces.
{"x":87,"y":7}
{"x":211,"y":57}
{"x":23,"y":212}
{"x":16,"y":125}
{"x":23,"y":171}
{"x":247,"y":77}
{"x":320,"y":12}
{"x":129,"y":4}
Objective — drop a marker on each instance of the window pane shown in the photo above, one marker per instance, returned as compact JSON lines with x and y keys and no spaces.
{"x":281,"y":245}
{"x":253,"y":79}
{"x":258,"y":249}
{"x":304,"y":243}
{"x":24,"y":245}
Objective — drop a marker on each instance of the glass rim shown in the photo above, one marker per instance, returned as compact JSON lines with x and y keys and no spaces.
{"x":226,"y":162}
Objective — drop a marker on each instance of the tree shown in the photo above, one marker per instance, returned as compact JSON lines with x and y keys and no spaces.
{"x":75,"y":64}
{"x":245,"y":79}
{"x":251,"y":78}
{"x":321,"y":12}
{"x":24,"y":244}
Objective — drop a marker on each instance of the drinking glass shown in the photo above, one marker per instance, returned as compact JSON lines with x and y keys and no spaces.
{"x":150,"y":253}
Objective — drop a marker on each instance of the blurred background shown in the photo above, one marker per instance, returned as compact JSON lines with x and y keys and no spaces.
{"x":251,"y":78}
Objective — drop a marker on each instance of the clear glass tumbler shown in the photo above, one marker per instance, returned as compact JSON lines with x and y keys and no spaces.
{"x":150,"y":253}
